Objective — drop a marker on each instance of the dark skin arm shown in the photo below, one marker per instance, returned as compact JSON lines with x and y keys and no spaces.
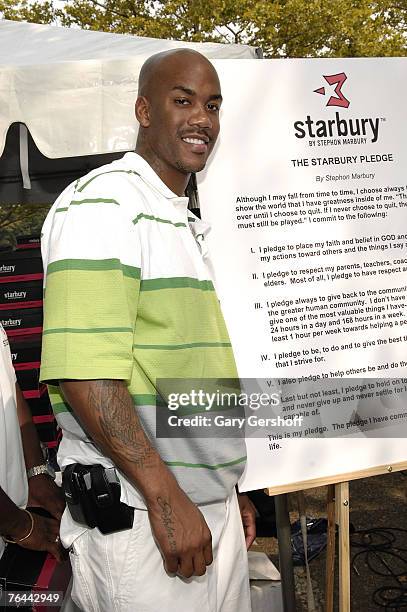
{"x":107,"y":413}
{"x":248,"y":514}
{"x":42,"y":489}
{"x":14,"y":522}
{"x":31,"y":444}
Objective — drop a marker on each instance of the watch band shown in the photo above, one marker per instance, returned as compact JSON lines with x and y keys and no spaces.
{"x":37,"y":470}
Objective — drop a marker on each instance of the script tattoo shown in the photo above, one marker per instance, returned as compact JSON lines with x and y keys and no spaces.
{"x":110,"y":400}
{"x":166,"y":517}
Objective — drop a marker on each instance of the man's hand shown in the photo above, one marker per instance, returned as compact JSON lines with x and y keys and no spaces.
{"x":43,"y":492}
{"x":181,"y":533}
{"x":248,"y":514}
{"x":107,"y":413}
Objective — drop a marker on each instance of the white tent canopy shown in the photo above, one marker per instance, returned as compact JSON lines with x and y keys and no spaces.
{"x":75,"y":89}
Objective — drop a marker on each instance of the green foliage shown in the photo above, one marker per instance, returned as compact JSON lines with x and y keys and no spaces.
{"x":120,"y":16}
{"x":20,"y":220}
{"x":37,"y":12}
{"x":282,"y":28}
{"x":322,"y":28}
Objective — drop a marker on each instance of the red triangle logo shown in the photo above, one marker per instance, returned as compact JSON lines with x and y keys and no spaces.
{"x":321,"y":91}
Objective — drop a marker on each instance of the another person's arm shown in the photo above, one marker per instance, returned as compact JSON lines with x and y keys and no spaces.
{"x":16,"y":524}
{"x":106,"y":411}
{"x":42,"y":489}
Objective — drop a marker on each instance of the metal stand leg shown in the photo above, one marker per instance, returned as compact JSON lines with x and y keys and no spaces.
{"x":330,"y":551}
{"x":342,"y":503}
{"x":285,"y":553}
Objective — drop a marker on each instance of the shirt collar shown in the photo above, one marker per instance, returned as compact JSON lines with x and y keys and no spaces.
{"x":198,"y":227}
{"x":142,"y":167}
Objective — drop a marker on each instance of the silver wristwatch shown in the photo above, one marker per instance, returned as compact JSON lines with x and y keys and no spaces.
{"x":37,"y":470}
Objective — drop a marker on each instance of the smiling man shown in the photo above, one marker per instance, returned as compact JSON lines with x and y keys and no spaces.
{"x":129,"y":301}
{"x":178,"y":111}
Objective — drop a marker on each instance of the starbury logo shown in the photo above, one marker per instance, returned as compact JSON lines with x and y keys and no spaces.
{"x":353,"y":130}
{"x":339,"y":99}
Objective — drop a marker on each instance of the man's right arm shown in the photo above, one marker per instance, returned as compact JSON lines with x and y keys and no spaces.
{"x":107,"y":413}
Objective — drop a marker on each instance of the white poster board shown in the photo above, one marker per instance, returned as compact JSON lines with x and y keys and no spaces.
{"x":306,"y":195}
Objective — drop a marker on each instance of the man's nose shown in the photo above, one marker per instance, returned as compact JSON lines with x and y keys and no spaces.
{"x":200,"y":117}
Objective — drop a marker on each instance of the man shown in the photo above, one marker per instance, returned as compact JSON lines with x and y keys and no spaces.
{"x":20,"y":451}
{"x":128,"y":302}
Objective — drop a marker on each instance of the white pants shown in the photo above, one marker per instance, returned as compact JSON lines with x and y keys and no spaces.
{"x":124,"y":572}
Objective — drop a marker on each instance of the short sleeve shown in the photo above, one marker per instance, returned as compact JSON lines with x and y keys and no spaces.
{"x":6,"y":362}
{"x":92,"y":264}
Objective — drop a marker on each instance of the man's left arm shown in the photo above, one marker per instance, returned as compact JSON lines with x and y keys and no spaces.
{"x":42,"y":490}
{"x":248,"y":514}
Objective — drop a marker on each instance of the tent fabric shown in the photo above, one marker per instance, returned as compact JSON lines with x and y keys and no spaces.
{"x":48,"y":177}
{"x":75,"y":89}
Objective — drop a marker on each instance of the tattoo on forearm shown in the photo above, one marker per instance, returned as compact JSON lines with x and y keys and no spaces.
{"x":110,"y":401}
{"x":166,"y":517}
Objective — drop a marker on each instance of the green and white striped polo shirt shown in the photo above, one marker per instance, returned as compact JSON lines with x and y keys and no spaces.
{"x":128,"y":296}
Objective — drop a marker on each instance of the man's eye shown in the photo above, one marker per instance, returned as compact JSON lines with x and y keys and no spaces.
{"x":214,"y":107}
{"x":182,"y":101}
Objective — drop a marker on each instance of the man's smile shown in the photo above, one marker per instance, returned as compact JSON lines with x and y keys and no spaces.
{"x":198,"y":144}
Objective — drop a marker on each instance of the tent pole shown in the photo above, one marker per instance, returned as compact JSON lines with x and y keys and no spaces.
{"x":24,"y":156}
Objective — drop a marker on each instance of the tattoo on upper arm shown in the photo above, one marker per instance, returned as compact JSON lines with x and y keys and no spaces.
{"x":111,"y":402}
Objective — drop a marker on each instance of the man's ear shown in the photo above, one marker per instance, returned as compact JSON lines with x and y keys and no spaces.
{"x":142,"y":109}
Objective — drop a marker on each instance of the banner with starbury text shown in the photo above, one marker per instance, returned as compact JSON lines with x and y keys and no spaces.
{"x":306,"y":195}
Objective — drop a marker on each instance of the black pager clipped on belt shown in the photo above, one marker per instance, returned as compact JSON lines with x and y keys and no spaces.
{"x":92,"y":494}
